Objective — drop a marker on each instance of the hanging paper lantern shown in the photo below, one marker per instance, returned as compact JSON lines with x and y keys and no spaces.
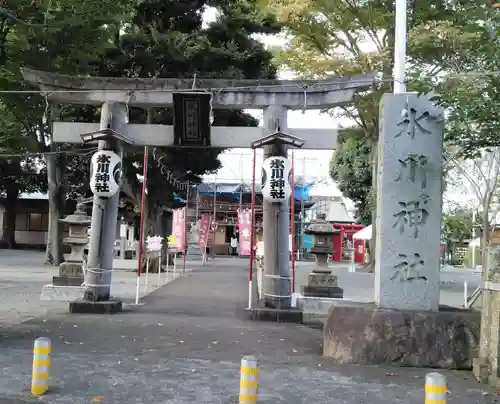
{"x":276,"y":179}
{"x":105,"y":173}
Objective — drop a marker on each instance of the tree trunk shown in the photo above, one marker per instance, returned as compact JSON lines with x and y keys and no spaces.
{"x":53,"y":251}
{"x":9,"y":230}
{"x":485,"y":238}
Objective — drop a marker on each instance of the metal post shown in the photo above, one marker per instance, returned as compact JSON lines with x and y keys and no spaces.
{"x":140,"y":246}
{"x":104,"y":218}
{"x":292,"y":218}
{"x":123,"y":237}
{"x":215,"y":217}
{"x":197,"y":214}
{"x":302,"y":213}
{"x":466,"y":294}
{"x":252,"y":233}
{"x":186,"y":229}
{"x":400,"y":48}
{"x":473,"y":263}
{"x":241,"y":182}
{"x":276,"y":226}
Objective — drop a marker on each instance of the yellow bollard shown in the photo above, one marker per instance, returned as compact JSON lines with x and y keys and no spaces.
{"x":249,"y":384}
{"x":41,"y":366}
{"x":435,"y":388}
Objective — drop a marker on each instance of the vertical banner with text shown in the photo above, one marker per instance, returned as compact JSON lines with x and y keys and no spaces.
{"x":245,"y":230}
{"x":179,"y":228}
{"x":203,"y":231}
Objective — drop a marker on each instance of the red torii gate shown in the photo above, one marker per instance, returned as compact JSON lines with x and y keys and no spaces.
{"x":349,"y":230}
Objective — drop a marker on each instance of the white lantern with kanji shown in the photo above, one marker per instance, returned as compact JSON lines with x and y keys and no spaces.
{"x":105,"y":173}
{"x":276,"y":179}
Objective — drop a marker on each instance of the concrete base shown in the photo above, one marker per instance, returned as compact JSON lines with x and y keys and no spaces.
{"x":315,"y":309}
{"x":67,"y":280}
{"x":89,"y":307}
{"x":322,"y":284}
{"x":323,"y":291}
{"x":292,"y":315}
{"x":364,"y":334}
{"x":62,"y":293}
{"x":483,"y":374}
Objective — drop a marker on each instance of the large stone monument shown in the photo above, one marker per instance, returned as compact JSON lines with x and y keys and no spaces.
{"x":321,"y":282}
{"x":409,"y":199}
{"x":486,"y":366}
{"x":404,"y":325}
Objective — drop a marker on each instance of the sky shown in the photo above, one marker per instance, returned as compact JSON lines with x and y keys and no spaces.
{"x":237,"y":163}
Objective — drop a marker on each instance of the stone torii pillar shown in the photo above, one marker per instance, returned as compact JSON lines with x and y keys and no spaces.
{"x":102,"y":237}
{"x":277,"y":290}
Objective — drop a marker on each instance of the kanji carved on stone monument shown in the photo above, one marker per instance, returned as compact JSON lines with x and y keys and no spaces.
{"x":413,"y":166}
{"x":412,"y":122}
{"x":408,"y":268}
{"x":412,"y":215}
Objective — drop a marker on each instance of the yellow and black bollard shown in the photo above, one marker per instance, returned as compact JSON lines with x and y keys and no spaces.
{"x":41,"y":367}
{"x":249,"y":383}
{"x":435,"y":388}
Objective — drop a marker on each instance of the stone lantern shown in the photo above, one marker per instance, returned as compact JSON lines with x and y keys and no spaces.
{"x":71,"y":271}
{"x":321,"y":282}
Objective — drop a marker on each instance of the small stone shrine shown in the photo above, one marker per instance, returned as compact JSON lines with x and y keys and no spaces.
{"x":71,"y":271}
{"x":321,"y":282}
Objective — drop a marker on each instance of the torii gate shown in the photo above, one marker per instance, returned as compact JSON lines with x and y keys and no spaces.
{"x":275,"y":97}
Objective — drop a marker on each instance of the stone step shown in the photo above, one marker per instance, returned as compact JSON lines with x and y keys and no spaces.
{"x":323,"y":291}
{"x":67,"y":280}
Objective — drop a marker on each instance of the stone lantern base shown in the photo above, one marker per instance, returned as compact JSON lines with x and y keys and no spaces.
{"x":321,"y":284}
{"x":70,"y":274}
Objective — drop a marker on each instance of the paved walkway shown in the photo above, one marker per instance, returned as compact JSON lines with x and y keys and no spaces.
{"x":184,"y":346}
{"x":23,"y":275}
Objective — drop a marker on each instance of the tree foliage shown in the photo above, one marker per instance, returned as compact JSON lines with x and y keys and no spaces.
{"x":350,"y":167}
{"x":169,"y":39}
{"x":480,"y":177}
{"x":124,"y":38}
{"x":468,"y":85}
{"x":345,"y":37}
{"x":53,"y":35}
{"x":458,"y":225}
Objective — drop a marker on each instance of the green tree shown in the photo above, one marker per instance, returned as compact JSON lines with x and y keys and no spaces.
{"x":169,"y":39}
{"x":61,"y":36}
{"x":20,"y":172}
{"x":350,"y":167}
{"x":126,"y":39}
{"x":458,"y":225}
{"x":345,"y":37}
{"x":468,"y":89}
